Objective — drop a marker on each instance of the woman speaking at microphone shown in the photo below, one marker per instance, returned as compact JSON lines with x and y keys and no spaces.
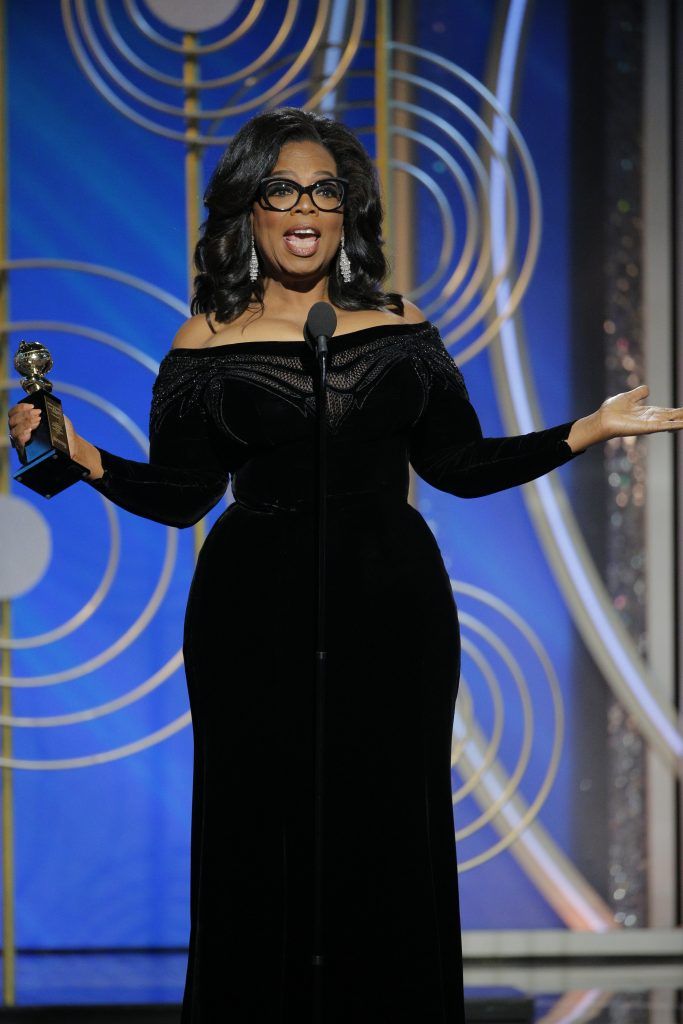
{"x":294,"y":218}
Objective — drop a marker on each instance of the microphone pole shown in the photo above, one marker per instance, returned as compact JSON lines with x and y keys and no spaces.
{"x":320,"y":326}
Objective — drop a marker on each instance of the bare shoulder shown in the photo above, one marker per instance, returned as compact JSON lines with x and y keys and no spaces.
{"x":360,"y":319}
{"x":194,"y":333}
{"x":412,"y":313}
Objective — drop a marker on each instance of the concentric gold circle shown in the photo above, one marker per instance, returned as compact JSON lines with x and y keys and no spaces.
{"x":175,"y":661}
{"x":485,"y":778}
{"x":90,"y":606}
{"x":461,"y":293}
{"x":158,"y":593}
{"x":103,"y":54}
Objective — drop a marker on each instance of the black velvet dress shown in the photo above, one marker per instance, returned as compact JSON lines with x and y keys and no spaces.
{"x":246,"y":411}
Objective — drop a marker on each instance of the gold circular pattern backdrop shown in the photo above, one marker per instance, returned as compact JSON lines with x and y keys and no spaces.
{"x":99,"y":47}
{"x":115,"y":563}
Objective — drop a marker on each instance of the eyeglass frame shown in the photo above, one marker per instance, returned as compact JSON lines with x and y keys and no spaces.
{"x":302,"y":189}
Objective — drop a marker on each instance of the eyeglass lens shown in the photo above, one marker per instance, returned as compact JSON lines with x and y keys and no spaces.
{"x":283,"y":195}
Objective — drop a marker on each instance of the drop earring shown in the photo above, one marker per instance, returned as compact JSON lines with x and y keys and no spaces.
{"x":344,"y":261}
{"x":253,"y":262}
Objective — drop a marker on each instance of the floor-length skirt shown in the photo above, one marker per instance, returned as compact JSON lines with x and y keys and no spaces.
{"x":390,"y":898}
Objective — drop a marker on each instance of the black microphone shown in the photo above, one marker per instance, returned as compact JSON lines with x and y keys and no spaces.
{"x":320,"y":326}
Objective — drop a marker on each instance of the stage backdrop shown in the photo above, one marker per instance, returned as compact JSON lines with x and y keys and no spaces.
{"x":113,"y":116}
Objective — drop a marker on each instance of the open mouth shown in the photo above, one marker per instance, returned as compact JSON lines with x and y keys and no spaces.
{"x":302,"y":241}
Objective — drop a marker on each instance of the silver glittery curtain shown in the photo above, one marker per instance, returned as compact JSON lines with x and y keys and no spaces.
{"x":625,"y":458}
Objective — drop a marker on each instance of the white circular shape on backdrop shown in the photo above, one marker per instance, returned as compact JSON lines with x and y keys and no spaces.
{"x":26,"y":544}
{"x":198,"y":16}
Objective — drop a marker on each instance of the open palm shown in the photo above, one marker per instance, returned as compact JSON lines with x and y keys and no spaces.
{"x":626,"y":414}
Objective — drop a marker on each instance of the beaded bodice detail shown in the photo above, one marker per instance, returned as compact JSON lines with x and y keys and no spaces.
{"x":193,"y":379}
{"x":244,"y":413}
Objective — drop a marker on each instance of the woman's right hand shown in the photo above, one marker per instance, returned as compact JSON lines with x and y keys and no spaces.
{"x":23,"y":418}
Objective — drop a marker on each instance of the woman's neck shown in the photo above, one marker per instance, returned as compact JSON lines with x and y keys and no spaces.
{"x":293,"y":299}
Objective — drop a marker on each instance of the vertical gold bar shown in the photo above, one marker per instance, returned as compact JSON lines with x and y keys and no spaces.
{"x":402,"y":184}
{"x":8,"y":929}
{"x":403,"y":149}
{"x":193,"y":167}
{"x":192,"y":151}
{"x":382,"y":122}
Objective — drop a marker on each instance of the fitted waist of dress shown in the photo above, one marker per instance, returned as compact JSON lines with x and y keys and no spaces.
{"x":276,"y":480}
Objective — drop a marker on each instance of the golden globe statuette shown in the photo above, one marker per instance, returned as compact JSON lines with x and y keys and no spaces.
{"x":47,"y":464}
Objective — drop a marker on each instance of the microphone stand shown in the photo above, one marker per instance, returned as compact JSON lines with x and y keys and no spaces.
{"x":317,"y":958}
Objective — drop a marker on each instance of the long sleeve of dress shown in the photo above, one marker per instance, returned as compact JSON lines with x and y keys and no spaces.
{"x":185,"y":476}
{"x":447,"y":446}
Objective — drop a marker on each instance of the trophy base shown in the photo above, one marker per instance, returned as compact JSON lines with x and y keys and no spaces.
{"x":51,"y":473}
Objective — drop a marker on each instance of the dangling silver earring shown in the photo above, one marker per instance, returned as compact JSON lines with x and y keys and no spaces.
{"x":344,"y":261}
{"x":253,"y":262}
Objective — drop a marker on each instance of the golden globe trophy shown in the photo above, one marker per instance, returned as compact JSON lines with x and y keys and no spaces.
{"x":47,"y":464}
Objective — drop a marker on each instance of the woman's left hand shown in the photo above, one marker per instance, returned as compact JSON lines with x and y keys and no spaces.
{"x":623,"y":415}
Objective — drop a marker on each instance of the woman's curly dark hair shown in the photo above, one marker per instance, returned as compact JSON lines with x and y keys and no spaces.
{"x":222,"y":285}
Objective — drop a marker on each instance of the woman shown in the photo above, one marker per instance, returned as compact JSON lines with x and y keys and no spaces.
{"x":294,"y":218}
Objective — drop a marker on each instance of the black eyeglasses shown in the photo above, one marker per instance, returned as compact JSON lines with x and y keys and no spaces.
{"x":282,"y":194}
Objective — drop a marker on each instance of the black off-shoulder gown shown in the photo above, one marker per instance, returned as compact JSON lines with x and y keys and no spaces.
{"x":246,"y":411}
